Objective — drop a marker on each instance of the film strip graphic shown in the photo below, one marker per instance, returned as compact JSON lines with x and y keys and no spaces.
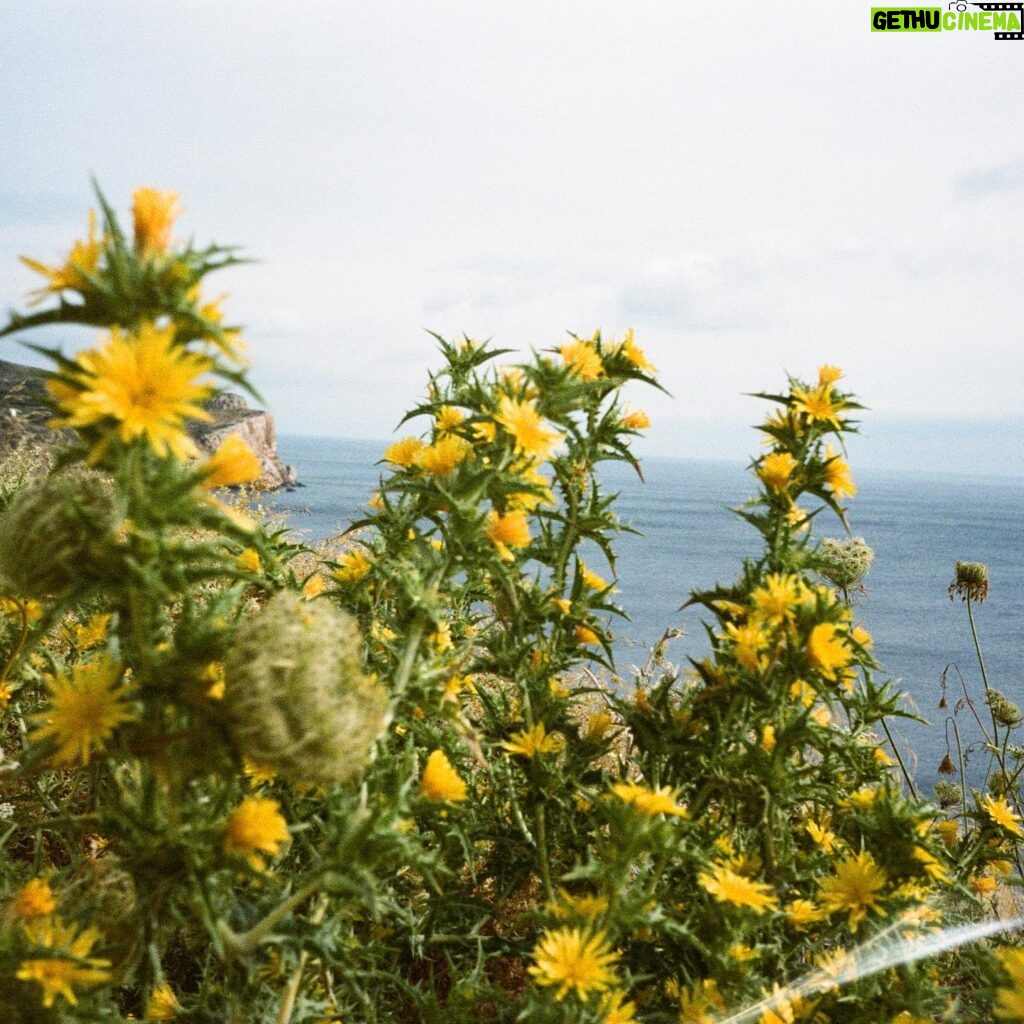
{"x":1018,"y":7}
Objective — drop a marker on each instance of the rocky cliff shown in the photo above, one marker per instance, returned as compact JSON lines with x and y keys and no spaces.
{"x":24,"y":414}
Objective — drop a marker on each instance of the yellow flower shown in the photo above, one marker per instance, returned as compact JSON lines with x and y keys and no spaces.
{"x":1009,"y":1005}
{"x":776,"y":599}
{"x":248,"y":561}
{"x":634,"y":354}
{"x":597,"y":726}
{"x":800,"y":913}
{"x":258,"y":774}
{"x":527,"y":501}
{"x":531,"y":742}
{"x":828,"y":375}
{"x":650,"y":801}
{"x":83,"y":259}
{"x":68,"y":965}
{"x":816,"y":404}
{"x":510,"y":530}
{"x":230,"y":340}
{"x":86,"y":707}
{"x":636,"y":420}
{"x":776,"y":468}
{"x":797,"y":518}
{"x":585,"y":635}
{"x":749,"y":641}
{"x":484,"y":431}
{"x":999,"y":810}
{"x":932,"y":867}
{"x":768,"y":739}
{"x":837,"y":475}
{"x":143,"y":385}
{"x":440,"y":781}
{"x":404,"y":453}
{"x":255,"y":826}
{"x":591,"y":579}
{"x":615,"y":1010}
{"x":231,"y":464}
{"x":854,"y":888}
{"x":741,"y":952}
{"x":860,"y":799}
{"x":154,"y":212}
{"x":92,"y":632}
{"x":949,"y":831}
{"x":575,"y":960}
{"x":455,"y":685}
{"x":441,"y":637}
{"x":566,"y":906}
{"x":699,"y":1003}
{"x":162,"y":1005}
{"x":313,"y":587}
{"x":822,"y":716}
{"x":523,"y":422}
{"x":983,"y":884}
{"x":582,"y":359}
{"x":442,"y":457}
{"x":448,"y":418}
{"x":728,"y":887}
{"x":34,"y":899}
{"x":827,"y":651}
{"x":859,"y":635}
{"x":821,"y":834}
{"x":353,"y":565}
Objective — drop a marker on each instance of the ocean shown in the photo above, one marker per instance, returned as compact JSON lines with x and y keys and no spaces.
{"x":918,"y":526}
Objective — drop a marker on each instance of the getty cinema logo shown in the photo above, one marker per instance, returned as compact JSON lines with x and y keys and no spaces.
{"x":959,"y":16}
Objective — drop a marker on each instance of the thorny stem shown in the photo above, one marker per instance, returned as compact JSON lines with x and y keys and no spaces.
{"x":18,"y":644}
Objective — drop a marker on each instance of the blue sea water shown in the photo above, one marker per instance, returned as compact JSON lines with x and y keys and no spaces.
{"x":689,"y":539}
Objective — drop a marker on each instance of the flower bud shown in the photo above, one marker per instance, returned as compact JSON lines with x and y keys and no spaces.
{"x":948,"y":793}
{"x":56,"y":534}
{"x":296,"y":696}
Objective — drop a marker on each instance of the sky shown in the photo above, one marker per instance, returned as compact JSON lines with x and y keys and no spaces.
{"x":754,"y":188}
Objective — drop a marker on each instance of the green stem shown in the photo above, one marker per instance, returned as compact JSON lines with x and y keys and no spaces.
{"x":412,"y":646}
{"x":542,"y":853}
{"x":988,"y":696}
{"x":960,"y":761}
{"x":246,"y":943}
{"x":899,"y":760}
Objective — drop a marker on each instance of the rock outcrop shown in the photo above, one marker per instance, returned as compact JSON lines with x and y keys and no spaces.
{"x":232,"y":415}
{"x":24,"y":415}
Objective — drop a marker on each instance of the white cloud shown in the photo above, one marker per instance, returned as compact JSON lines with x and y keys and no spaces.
{"x":754,"y":188}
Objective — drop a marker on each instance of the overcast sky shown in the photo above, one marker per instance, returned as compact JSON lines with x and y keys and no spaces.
{"x":755,"y":188}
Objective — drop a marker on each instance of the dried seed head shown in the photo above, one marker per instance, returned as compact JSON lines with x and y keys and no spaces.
{"x":846,"y":562}
{"x":970,"y":582}
{"x":948,"y":793}
{"x":946,"y":766}
{"x":1005,"y":711}
{"x":57,"y":534}
{"x":296,"y":696}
